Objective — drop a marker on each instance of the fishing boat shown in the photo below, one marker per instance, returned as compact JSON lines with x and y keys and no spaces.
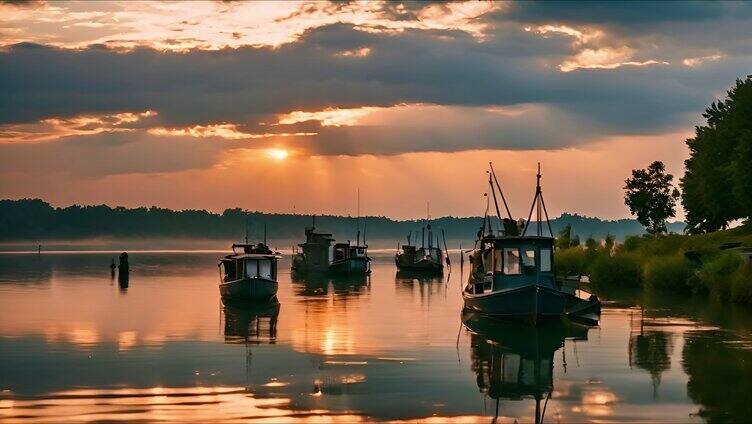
{"x":580,"y":305}
{"x":319,"y":256}
{"x":249,"y":273}
{"x":424,"y":260}
{"x":513,"y":273}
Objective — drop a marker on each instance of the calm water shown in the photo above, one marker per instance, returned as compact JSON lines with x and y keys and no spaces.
{"x":74,"y":346}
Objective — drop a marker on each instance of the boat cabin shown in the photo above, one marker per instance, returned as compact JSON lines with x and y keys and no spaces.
{"x":317,"y":249}
{"x":255,"y":261}
{"x":343,"y":251}
{"x":509,"y":262}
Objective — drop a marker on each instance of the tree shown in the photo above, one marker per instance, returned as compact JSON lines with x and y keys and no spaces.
{"x":717,"y":184}
{"x":564,"y":238}
{"x":651,"y":197}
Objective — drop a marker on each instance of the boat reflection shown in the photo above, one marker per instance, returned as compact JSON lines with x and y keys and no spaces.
{"x":321,"y":285}
{"x":254,"y":323}
{"x":515,"y":361}
{"x":407,"y":284}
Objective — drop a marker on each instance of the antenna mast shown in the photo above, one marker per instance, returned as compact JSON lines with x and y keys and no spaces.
{"x":357,"y":219}
{"x":540,"y":208}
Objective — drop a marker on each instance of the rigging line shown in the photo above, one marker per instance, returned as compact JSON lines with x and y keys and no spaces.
{"x":548,"y":221}
{"x":530,"y":215}
{"x":544,"y":406}
{"x":503,"y":199}
{"x":496,"y":203}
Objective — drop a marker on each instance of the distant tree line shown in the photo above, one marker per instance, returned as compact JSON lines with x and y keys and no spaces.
{"x":35,"y":219}
{"x":717,"y":184}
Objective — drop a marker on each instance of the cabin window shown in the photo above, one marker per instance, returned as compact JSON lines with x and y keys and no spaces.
{"x":511,"y":261}
{"x":498,"y":261}
{"x":487,"y":265}
{"x":545,"y":259}
{"x":265,"y":269}
{"x":251,"y":269}
{"x":528,"y":258}
{"x":339,"y":254}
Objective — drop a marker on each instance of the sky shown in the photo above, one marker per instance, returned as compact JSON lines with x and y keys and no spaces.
{"x":294,"y":106}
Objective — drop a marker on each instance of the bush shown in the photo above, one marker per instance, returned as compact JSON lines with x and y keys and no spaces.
{"x":667,"y":273}
{"x":716,"y":275}
{"x":621,"y":270}
{"x":570,"y":261}
{"x":741,"y":284}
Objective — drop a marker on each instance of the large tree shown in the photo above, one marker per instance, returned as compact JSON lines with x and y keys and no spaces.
{"x":651,"y":197}
{"x":717,"y":184}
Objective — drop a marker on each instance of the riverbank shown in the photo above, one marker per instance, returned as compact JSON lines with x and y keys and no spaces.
{"x":709,"y":264}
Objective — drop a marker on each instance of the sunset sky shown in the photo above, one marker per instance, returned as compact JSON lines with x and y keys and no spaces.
{"x":282,"y":105}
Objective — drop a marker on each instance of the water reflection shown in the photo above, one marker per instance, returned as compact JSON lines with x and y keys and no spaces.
{"x":322,"y":285}
{"x":514,"y":361}
{"x":384,"y":348}
{"x":254,"y":323}
{"x":412,"y":285}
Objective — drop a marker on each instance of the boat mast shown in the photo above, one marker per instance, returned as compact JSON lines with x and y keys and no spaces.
{"x":498,"y":186}
{"x":357,"y":219}
{"x":496,"y":204}
{"x":540,"y":207}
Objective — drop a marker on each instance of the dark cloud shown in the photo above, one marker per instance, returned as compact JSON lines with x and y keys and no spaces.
{"x":623,"y":13}
{"x":108,"y":154}
{"x":510,"y":67}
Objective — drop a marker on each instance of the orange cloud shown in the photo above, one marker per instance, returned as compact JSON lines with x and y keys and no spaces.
{"x":329,"y":117}
{"x":55,"y":128}
{"x":226,"y":131}
{"x":605,"y":58}
{"x":170,"y":26}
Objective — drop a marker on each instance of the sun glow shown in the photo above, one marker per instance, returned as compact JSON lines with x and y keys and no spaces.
{"x":279,"y":154}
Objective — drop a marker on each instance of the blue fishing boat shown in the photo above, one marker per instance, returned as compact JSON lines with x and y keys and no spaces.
{"x":249,"y":273}
{"x":512,"y":273}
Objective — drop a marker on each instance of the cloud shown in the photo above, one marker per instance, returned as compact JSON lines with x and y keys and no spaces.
{"x":95,"y":156}
{"x":694,"y":62}
{"x":604,"y":58}
{"x":584,"y":77}
{"x":329,"y":117}
{"x":170,"y":26}
{"x":81,"y":125}
{"x":226,"y":131}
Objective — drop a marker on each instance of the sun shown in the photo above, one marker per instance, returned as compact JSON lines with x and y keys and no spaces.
{"x":279,"y":154}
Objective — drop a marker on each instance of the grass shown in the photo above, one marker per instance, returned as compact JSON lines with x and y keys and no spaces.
{"x":620,"y":270}
{"x":674,"y":262}
{"x":670,"y":272}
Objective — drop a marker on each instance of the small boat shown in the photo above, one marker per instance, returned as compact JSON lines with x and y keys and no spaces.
{"x":580,"y":305}
{"x":426,"y":260}
{"x":350,"y":259}
{"x":250,"y":273}
{"x":319,"y":256}
{"x":513,"y":275}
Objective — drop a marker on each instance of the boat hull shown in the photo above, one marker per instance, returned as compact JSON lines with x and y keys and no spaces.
{"x":582,"y":310}
{"x":248,"y":289}
{"x":421,"y":267}
{"x":532,"y":303}
{"x":350,"y":266}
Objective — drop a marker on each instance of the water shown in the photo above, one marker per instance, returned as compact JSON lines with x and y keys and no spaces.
{"x":74,"y":346}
